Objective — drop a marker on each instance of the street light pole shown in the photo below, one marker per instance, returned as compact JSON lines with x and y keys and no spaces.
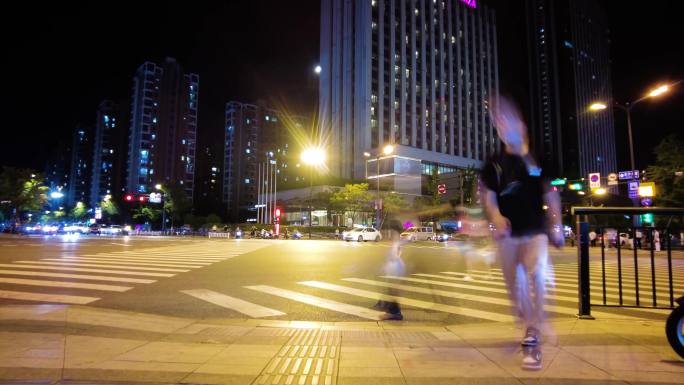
{"x":310,"y":195}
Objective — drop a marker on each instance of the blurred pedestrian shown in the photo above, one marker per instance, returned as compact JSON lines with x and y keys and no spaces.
{"x":525,"y":212}
{"x":592,"y":238}
{"x":394,"y":266}
{"x":656,"y":239}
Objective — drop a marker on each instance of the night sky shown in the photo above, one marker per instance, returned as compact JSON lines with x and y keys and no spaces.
{"x":61,"y":59}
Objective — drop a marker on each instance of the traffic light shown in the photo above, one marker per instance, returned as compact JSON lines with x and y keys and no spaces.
{"x":576,"y":186}
{"x":141,"y":198}
{"x":129,"y":197}
{"x":647,"y":218}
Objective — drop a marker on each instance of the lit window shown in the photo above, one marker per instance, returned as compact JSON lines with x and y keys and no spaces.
{"x":248,"y":151}
{"x":268,"y":118}
{"x":213,"y":169}
{"x":154,"y":120}
{"x":183,"y":141}
{"x":182,"y":157}
{"x":111,"y":151}
{"x":246,"y":180}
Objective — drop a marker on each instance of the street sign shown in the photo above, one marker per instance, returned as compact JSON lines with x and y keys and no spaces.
{"x":558,"y":182}
{"x":633,"y":188}
{"x":647,"y":190}
{"x":624,"y":175}
{"x":612,"y":179}
{"x":155,"y":197}
{"x":646,"y":202}
{"x":441,"y":188}
{"x":594,"y":180}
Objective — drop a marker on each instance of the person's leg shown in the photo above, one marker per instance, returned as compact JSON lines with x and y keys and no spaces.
{"x":534,"y":257}
{"x":508,"y":256}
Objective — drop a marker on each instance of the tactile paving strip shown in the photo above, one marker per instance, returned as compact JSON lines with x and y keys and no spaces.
{"x":310,"y":357}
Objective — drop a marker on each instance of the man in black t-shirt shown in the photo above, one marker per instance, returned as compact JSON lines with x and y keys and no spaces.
{"x":525,"y":213}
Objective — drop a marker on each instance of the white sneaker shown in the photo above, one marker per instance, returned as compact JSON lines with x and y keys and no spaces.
{"x":532,"y":358}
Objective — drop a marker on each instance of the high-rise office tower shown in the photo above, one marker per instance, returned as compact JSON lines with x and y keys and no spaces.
{"x":260,"y":145}
{"x":417,"y":74}
{"x":105,"y":152}
{"x":163,"y":129}
{"x":58,"y":168}
{"x":80,"y":167}
{"x":569,"y":69}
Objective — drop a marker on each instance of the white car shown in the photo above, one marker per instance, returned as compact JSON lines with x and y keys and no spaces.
{"x":362,"y":234}
{"x":418,"y":234}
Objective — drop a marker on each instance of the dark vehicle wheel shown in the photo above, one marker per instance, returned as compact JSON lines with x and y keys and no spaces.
{"x":360,"y":238}
{"x":673,"y":329}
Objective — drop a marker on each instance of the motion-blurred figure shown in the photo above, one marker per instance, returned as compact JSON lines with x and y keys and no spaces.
{"x":394,"y":266}
{"x":525,"y":212}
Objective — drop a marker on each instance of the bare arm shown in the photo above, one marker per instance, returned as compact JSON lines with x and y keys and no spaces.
{"x":554,"y":218}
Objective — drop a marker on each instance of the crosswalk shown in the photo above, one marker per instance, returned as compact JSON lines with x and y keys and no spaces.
{"x":83,"y":279}
{"x":473,"y":295}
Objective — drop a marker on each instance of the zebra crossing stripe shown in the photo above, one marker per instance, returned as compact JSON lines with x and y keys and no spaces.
{"x":115,"y":262}
{"x":469,"y":297}
{"x":87,"y":270}
{"x":157,"y":257}
{"x":65,"y":284}
{"x":628,"y":285}
{"x":154,"y":257}
{"x":552,"y":282}
{"x":41,"y":297}
{"x":76,"y":276}
{"x":596,"y":296}
{"x":625,"y":270}
{"x":244,"y":307}
{"x":469,"y":312}
{"x":319,"y":302}
{"x":104,"y":265}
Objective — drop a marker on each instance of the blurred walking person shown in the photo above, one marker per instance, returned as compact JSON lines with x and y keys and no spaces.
{"x":394,"y":266}
{"x":525,"y":212}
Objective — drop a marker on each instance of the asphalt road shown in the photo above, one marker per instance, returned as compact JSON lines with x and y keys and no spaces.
{"x":307,"y":280}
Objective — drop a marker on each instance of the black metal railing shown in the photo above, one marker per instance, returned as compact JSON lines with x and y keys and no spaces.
{"x":613,"y":241}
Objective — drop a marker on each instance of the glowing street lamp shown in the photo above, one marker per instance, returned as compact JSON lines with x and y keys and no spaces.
{"x":627,"y":107}
{"x":387,"y":150}
{"x":659,"y":91}
{"x":314,"y":157}
{"x":598,"y":107}
{"x":600,"y":191}
{"x":317,"y":69}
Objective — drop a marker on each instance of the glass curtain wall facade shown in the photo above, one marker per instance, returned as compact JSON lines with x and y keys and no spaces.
{"x":415,"y":73}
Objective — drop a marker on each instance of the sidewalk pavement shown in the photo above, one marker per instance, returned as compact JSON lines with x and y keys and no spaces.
{"x":56,"y":344}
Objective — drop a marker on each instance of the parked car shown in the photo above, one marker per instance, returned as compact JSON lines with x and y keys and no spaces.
{"x":363,"y":234}
{"x":443,"y":237}
{"x":418,"y":234}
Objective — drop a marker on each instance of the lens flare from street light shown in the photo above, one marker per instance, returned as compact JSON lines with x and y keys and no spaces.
{"x":56,"y":195}
{"x":598,"y":107}
{"x":658,"y":91}
{"x":158,"y":186}
{"x":313,"y":156}
{"x":388,"y":149}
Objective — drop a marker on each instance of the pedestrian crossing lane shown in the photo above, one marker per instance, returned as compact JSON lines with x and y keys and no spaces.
{"x":111,"y":272}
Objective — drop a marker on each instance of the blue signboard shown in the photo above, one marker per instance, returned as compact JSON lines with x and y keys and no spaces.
{"x":624,"y":175}
{"x":633,"y":188}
